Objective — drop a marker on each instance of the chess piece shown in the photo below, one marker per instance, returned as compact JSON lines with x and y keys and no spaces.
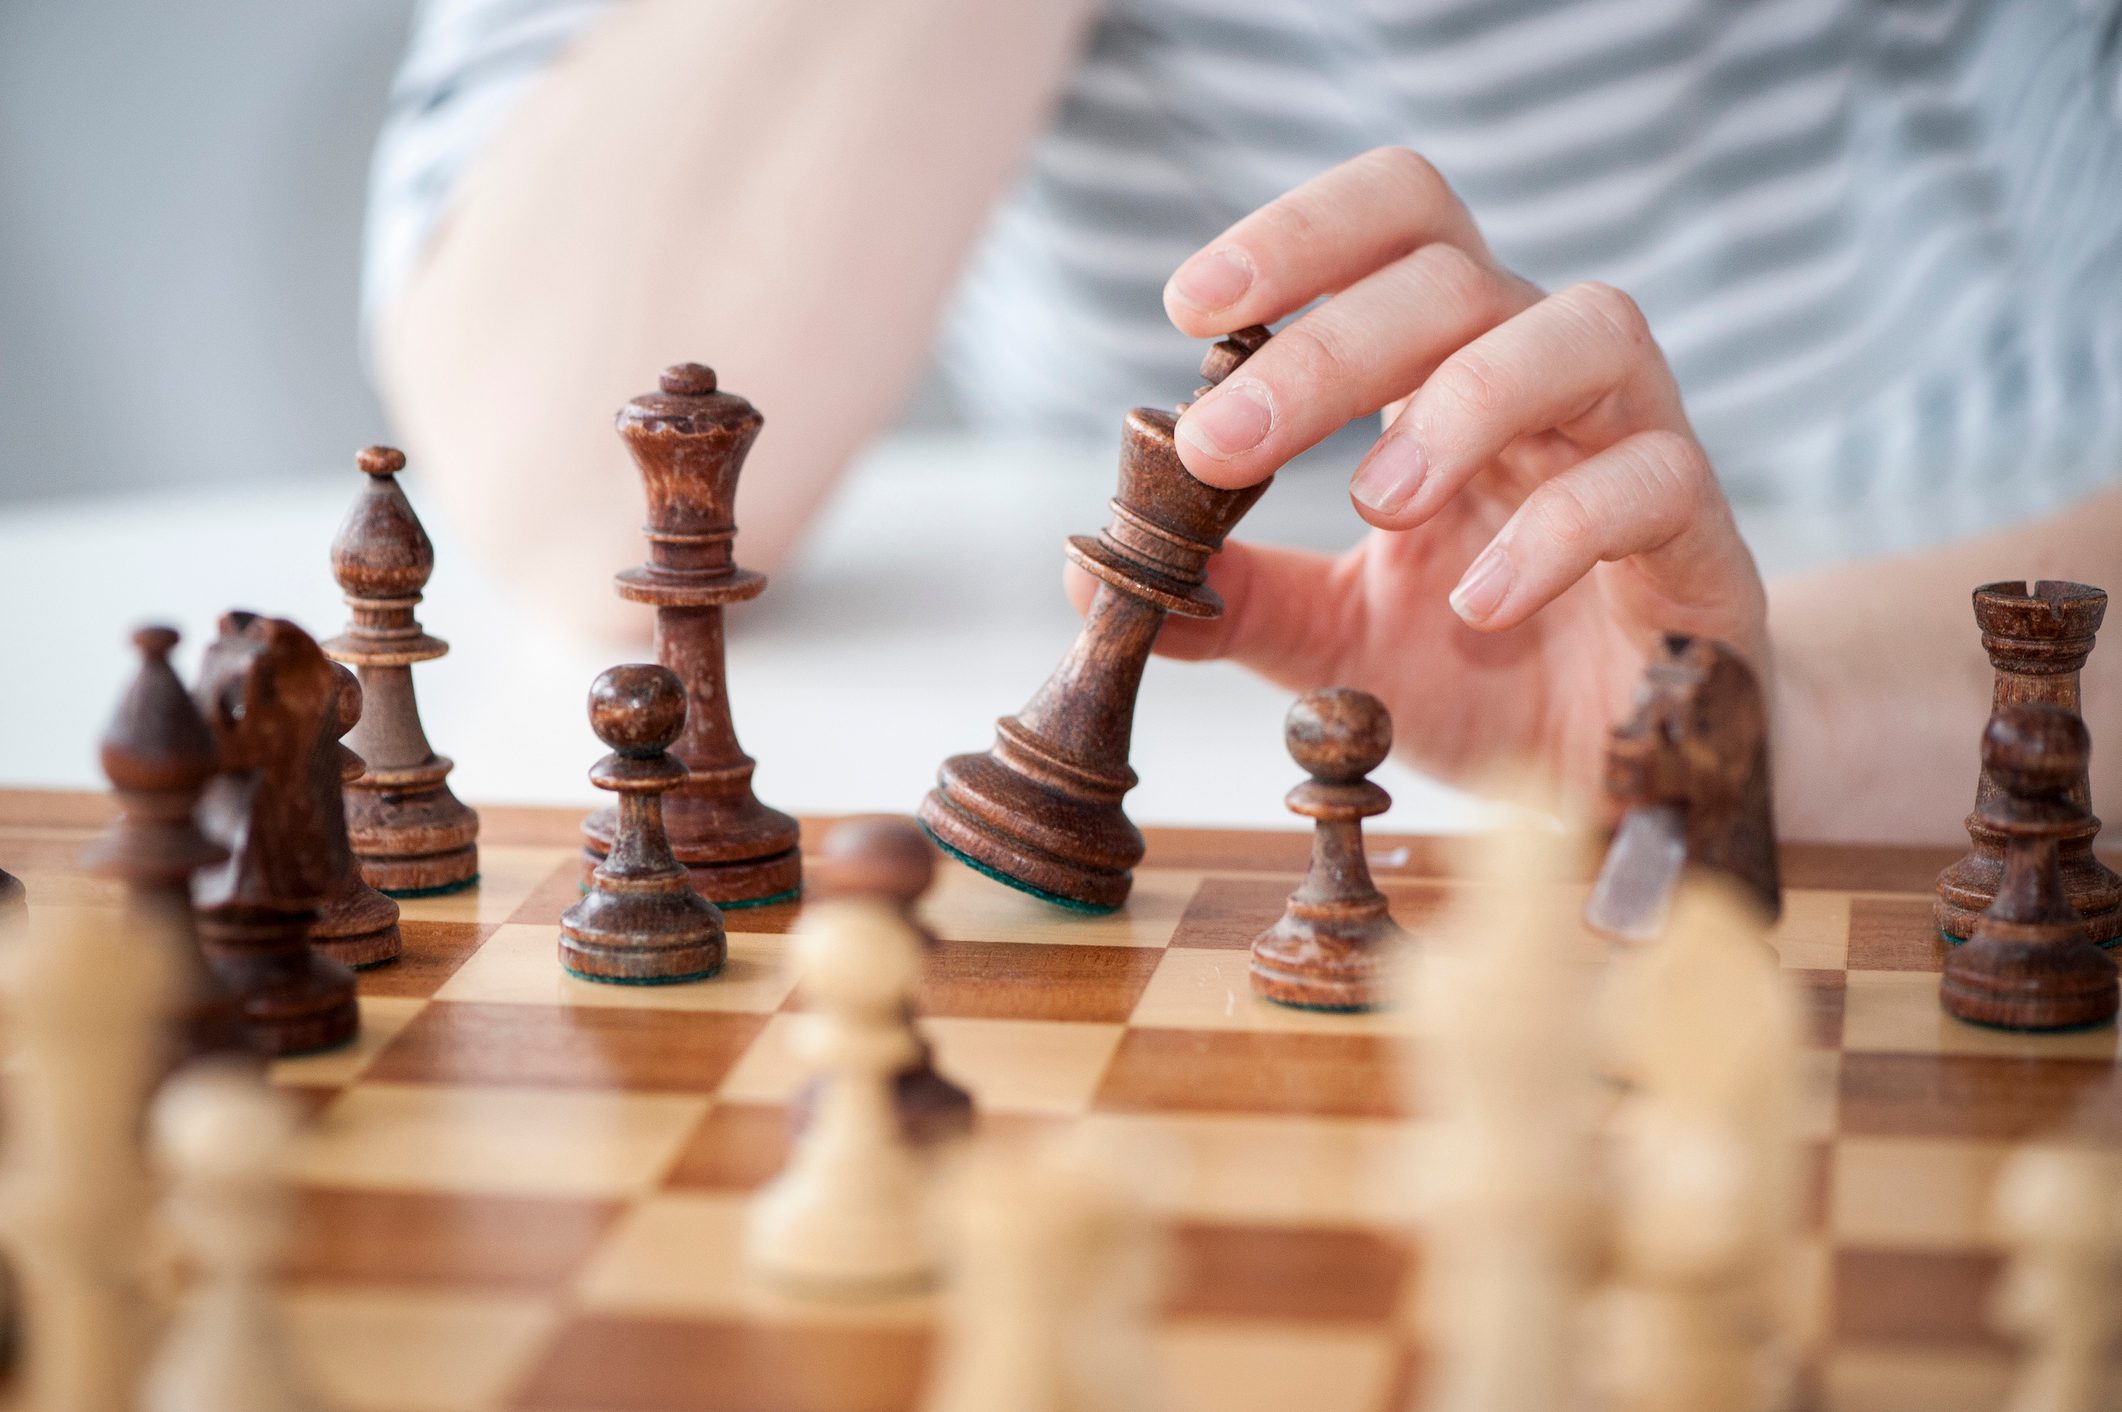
{"x":1331,"y":948}
{"x":2029,"y":963}
{"x":357,"y":925}
{"x":412,"y":835}
{"x":690,"y":440}
{"x":848,"y":1214}
{"x":14,"y":898}
{"x":641,"y":922}
{"x":1040,"y":810}
{"x":87,"y":1013}
{"x":2059,"y":1214}
{"x":1689,"y":770}
{"x":2037,"y":639}
{"x":158,"y":755}
{"x":222,"y":1136}
{"x":270,"y":696}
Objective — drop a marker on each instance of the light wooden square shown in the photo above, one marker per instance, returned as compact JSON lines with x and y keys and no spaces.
{"x":508,"y":874}
{"x":1898,"y":1012}
{"x":1271,"y":1170}
{"x":1813,"y":932}
{"x":520,"y":965}
{"x":1254,"y":1367}
{"x":402,"y":1350}
{"x":1930,"y":1380}
{"x":963,"y":905}
{"x":1212,"y":990}
{"x":382,"y":1017}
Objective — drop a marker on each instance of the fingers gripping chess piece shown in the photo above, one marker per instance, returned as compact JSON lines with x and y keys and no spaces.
{"x":689,"y":439}
{"x":1331,"y":949}
{"x":2059,"y":1214}
{"x":411,"y":834}
{"x":1690,"y":771}
{"x":1041,"y":811}
{"x":2029,"y":963}
{"x":2038,"y":637}
{"x":641,"y":922}
{"x":356,"y":924}
{"x":271,"y":699}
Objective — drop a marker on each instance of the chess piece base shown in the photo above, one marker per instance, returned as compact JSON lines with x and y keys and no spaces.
{"x":2010,"y":982}
{"x":1331,"y":961}
{"x":294,"y":1002}
{"x":413,"y":843}
{"x":1966,"y":889}
{"x":1075,"y":851}
{"x":359,"y":930}
{"x":626,"y":935}
{"x":775,"y":875}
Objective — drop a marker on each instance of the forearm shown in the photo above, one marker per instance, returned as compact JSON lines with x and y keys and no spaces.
{"x":1882,"y":685}
{"x":783,"y":191}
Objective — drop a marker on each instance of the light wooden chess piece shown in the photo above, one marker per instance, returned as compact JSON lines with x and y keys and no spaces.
{"x":1503,"y":1064}
{"x":2059,"y":1213}
{"x":1706,"y":1206}
{"x":222,"y":1133}
{"x":88,"y":1009}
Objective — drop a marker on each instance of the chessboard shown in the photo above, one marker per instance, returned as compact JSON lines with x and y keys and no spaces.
{"x":520,"y":1190}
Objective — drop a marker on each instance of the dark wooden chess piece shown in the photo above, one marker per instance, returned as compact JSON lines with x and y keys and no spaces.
{"x":1335,"y":942}
{"x":158,"y":755}
{"x":356,"y":924}
{"x":1690,"y":772}
{"x":690,"y":440}
{"x":2030,"y":962}
{"x":1041,"y":809}
{"x":641,"y":922}
{"x":412,"y":835}
{"x":14,"y":897}
{"x":2037,"y":638}
{"x":269,"y":695}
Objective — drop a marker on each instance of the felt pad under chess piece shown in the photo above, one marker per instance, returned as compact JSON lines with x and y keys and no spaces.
{"x":641,"y":922}
{"x":690,"y":440}
{"x":158,"y":755}
{"x":2029,"y":963}
{"x":1690,"y":771}
{"x":412,"y":835}
{"x":1334,"y":944}
{"x":270,"y":697}
{"x":2038,"y":639}
{"x":356,"y":924}
{"x":1041,"y":809}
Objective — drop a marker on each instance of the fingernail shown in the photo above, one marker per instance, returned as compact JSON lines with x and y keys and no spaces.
{"x":1234,"y":418}
{"x":1390,"y":475}
{"x":1485,"y":586}
{"x":1214,"y":279}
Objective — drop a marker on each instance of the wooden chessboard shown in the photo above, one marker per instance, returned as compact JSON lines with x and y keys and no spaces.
{"x":525,"y":1191}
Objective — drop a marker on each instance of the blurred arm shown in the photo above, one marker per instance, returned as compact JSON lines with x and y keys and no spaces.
{"x":783,"y":191}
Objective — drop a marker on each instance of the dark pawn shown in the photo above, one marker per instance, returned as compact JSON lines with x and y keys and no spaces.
{"x":412,"y":835}
{"x":357,"y":924}
{"x":270,"y":696}
{"x":2031,"y":963}
{"x":1331,"y":948}
{"x":158,"y":755}
{"x":641,"y":922}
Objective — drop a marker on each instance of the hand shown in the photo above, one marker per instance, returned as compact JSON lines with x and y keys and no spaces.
{"x":1542,"y":508}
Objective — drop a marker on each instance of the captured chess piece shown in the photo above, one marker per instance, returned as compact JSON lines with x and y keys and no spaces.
{"x":412,"y":835}
{"x":1334,"y":944}
{"x":270,"y":696}
{"x":158,"y":755}
{"x":2029,"y":963}
{"x":1041,"y":810}
{"x":1690,"y":771}
{"x":2038,"y":638}
{"x":690,"y":440}
{"x":356,"y":925}
{"x":641,"y":922}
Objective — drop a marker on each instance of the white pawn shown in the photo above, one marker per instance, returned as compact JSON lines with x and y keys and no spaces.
{"x":849,"y":1216}
{"x":222,"y":1134}
{"x":2059,"y":1213}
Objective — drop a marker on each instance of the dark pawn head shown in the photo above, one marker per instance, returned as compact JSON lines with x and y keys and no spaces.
{"x":885,"y":856}
{"x":2035,"y":749}
{"x":1338,"y":735}
{"x":157,"y":740}
{"x":687,"y":380}
{"x":380,"y":460}
{"x":638,"y":709}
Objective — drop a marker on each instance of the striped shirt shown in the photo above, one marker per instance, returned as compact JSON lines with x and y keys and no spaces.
{"x":1881,"y":244}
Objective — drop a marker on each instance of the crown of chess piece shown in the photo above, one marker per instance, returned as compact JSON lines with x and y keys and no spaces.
{"x":641,"y":921}
{"x":158,"y":755}
{"x":2029,"y":962}
{"x":1690,"y":772}
{"x":412,"y":835}
{"x":2038,"y":638}
{"x":1041,"y":810}
{"x":1334,"y":944}
{"x":356,"y":924}
{"x":270,"y":696}
{"x":689,"y":440}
